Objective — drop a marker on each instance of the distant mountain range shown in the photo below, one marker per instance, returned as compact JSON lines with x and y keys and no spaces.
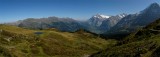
{"x":62,"y":24}
{"x":100,"y":24}
{"x":135,"y":21}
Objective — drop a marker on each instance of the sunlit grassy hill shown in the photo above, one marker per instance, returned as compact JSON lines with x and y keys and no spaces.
{"x":20,"y":42}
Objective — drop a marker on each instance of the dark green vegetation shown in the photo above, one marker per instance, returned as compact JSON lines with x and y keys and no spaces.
{"x":19,"y":42}
{"x":143,"y":43}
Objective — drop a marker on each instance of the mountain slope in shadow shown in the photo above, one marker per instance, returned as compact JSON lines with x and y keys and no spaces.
{"x":143,"y":43}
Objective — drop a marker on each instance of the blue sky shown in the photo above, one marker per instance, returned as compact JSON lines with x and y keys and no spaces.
{"x":13,"y":10}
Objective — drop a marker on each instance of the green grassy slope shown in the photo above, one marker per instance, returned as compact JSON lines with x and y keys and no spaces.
{"x":143,"y":43}
{"x":19,"y":42}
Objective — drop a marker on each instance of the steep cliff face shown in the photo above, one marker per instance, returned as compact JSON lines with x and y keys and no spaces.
{"x":101,"y":23}
{"x":135,"y":21}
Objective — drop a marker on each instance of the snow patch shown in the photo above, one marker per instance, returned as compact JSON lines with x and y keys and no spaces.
{"x":101,"y":16}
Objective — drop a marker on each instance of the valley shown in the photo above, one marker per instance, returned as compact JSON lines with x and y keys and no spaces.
{"x":20,"y":42}
{"x":118,"y":34}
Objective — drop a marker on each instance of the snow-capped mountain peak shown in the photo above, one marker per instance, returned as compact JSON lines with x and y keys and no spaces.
{"x":101,"y":16}
{"x":122,"y":15}
{"x":97,"y":20}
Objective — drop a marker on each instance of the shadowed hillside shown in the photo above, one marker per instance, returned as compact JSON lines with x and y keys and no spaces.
{"x":143,"y":43}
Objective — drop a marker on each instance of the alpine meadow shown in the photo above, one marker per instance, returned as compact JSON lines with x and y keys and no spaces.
{"x":81,"y":28}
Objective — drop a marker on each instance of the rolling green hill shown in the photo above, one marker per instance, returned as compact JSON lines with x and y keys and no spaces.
{"x":20,"y":42}
{"x":143,"y":43}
